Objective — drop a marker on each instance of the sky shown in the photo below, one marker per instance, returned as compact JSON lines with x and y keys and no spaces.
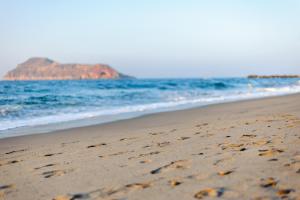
{"x":156,"y":38}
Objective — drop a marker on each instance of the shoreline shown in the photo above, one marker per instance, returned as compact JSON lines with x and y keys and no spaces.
{"x":96,"y":121}
{"x":247,"y":149}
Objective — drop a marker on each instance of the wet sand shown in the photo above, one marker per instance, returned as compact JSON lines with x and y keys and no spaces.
{"x":240,"y":150}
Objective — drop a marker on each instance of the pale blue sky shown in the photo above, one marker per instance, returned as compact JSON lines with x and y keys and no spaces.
{"x":156,"y":38}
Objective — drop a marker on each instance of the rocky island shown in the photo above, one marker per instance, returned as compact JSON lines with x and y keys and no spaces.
{"x":47,"y":69}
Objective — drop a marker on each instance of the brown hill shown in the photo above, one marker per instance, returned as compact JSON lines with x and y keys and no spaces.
{"x":46,"y":69}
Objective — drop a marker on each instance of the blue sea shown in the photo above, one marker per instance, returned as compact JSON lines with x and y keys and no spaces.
{"x":41,"y":106}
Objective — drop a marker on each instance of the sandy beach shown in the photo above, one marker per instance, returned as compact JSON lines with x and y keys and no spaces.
{"x":240,"y":150}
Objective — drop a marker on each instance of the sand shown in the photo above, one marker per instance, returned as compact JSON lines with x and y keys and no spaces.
{"x":240,"y":150}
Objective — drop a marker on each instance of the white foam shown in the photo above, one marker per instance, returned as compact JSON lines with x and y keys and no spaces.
{"x":6,"y":109}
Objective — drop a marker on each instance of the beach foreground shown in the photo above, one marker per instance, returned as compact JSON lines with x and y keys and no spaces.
{"x":240,"y":150}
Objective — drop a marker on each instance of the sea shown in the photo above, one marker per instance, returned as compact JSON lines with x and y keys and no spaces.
{"x":28,"y":107}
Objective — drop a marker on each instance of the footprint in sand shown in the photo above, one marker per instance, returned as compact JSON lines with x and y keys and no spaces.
{"x":131,"y":138}
{"x":200,"y":125}
{"x":294,"y":163}
{"x":134,"y":186}
{"x":268,"y":182}
{"x":49,"y":174}
{"x":201,"y":176}
{"x":163,"y":144}
{"x":243,"y":149}
{"x":183,"y":138}
{"x":120,"y":153}
{"x":209,"y":192}
{"x":198,"y":154}
{"x":174,"y":183}
{"x":273,"y":159}
{"x":4,"y":187}
{"x":105,"y":193}
{"x":145,"y":154}
{"x":179,"y":164}
{"x":147,"y":146}
{"x":224,"y":173}
{"x":10,"y":162}
{"x":222,"y":160}
{"x":238,"y":147}
{"x":149,"y":154}
{"x":44,"y":166}
{"x":249,"y":135}
{"x":284,"y":192}
{"x":96,"y":145}
{"x":129,"y":188}
{"x":145,"y":161}
{"x":159,"y":133}
{"x":15,"y":151}
{"x":52,"y":154}
{"x":269,"y":152}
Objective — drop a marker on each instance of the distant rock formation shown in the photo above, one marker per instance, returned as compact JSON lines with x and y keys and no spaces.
{"x":46,"y":69}
{"x":274,"y":76}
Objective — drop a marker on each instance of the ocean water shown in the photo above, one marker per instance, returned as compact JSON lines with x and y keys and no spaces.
{"x":27,"y":104}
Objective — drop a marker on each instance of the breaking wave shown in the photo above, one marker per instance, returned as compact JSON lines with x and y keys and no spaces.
{"x":32,"y":103}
